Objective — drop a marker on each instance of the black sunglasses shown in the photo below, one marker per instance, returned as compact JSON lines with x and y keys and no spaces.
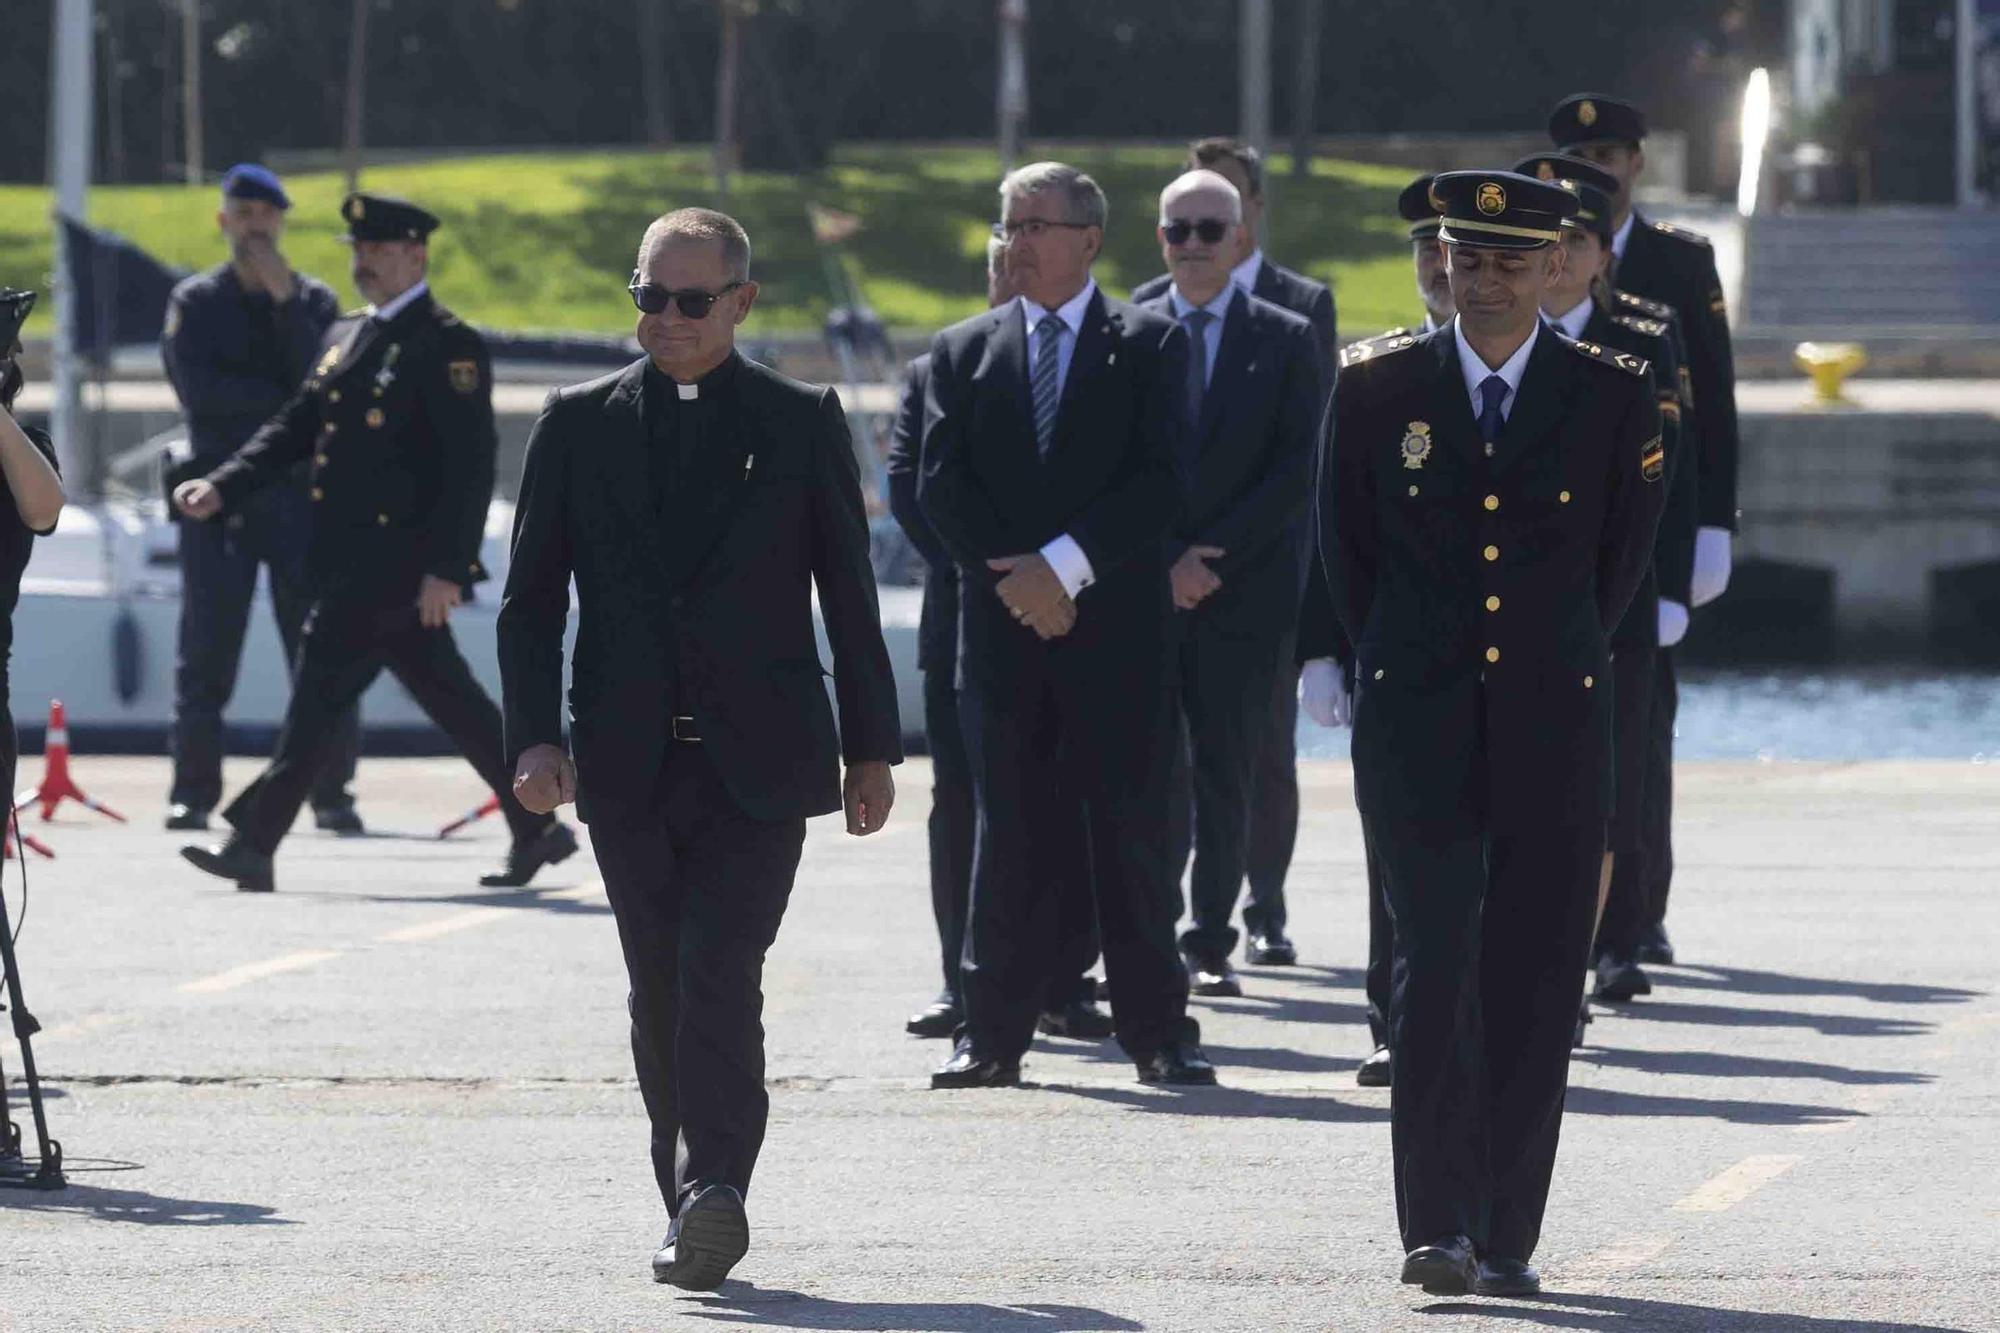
{"x":652,"y":298}
{"x":1210,"y":230}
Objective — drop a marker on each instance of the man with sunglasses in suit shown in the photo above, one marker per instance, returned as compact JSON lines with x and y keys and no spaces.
{"x":698,"y":500}
{"x":395,"y":428}
{"x":1052,"y":458}
{"x":1252,"y":401}
{"x":1274,"y":801}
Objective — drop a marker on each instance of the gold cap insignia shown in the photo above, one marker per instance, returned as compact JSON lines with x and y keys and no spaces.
{"x":1416,"y":445}
{"x":465,"y":376}
{"x":1586,"y":114}
{"x":356,"y":210}
{"x":1491,"y":199}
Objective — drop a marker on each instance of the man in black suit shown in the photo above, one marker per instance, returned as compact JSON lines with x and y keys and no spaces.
{"x":394,"y":431}
{"x":1051,"y":473}
{"x":1274,"y":799}
{"x":698,"y":499}
{"x":1669,"y":264}
{"x":1252,"y":401}
{"x":1070,"y":1007}
{"x":1486,"y":508}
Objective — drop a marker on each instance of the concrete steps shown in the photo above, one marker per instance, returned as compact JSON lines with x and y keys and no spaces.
{"x":1846,"y":272}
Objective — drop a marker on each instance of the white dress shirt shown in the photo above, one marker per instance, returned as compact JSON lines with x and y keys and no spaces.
{"x":1571,"y":322}
{"x":1244,"y":275}
{"x":1065,"y":557}
{"x":1476,"y":371}
{"x":1623,"y":234}
{"x":397,"y":306}
{"x":1211,"y":337}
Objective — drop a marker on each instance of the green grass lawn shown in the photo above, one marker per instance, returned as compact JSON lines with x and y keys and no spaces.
{"x":545,"y":241}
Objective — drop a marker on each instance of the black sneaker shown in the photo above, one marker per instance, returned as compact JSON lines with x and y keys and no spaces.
{"x":709,"y":1237}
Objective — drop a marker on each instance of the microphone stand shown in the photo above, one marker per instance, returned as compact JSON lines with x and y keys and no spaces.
{"x":16,"y":1171}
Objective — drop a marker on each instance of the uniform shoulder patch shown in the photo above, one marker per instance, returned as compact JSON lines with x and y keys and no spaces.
{"x":1681,"y":233}
{"x":359,"y":313}
{"x":1646,"y":306}
{"x":1372,"y":349}
{"x":1651,"y":328}
{"x":1625,"y":361}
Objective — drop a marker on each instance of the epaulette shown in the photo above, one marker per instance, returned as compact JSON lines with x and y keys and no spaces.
{"x":1680,"y":233}
{"x":1371,"y":349}
{"x":1646,"y":306}
{"x":1652,"y":328}
{"x":1625,"y":361}
{"x":361,"y":313}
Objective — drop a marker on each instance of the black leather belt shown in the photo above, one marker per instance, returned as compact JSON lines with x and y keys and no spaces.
{"x":684,"y":730}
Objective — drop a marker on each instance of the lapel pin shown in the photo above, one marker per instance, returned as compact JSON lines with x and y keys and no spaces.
{"x":748,"y":459}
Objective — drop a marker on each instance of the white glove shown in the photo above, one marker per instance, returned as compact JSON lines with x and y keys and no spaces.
{"x":1673,"y":623}
{"x":1711,"y":564}
{"x":1323,"y":693}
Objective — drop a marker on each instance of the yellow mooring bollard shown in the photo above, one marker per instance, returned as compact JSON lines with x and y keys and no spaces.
{"x":1830,"y":364}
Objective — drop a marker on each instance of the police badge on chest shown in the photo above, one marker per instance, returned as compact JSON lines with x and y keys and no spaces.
{"x":1416,"y":445}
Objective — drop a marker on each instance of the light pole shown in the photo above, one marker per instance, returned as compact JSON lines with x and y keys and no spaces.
{"x":1011,"y":91}
{"x":1254,"y":74}
{"x":71,"y":96}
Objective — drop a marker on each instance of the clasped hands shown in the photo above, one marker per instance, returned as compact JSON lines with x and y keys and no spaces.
{"x":1034,"y":595}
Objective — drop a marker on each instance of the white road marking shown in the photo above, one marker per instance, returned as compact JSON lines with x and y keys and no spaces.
{"x":444,"y":925}
{"x":248,"y":972}
{"x":1630,"y":1253}
{"x":1731,"y":1187}
{"x":78,"y":1027}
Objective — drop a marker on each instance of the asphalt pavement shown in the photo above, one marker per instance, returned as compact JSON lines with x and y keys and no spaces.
{"x":384,"y":1098}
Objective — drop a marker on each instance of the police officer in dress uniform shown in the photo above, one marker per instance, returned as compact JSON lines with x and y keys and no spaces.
{"x":1584,"y":307}
{"x":397,"y":422}
{"x":1326,"y":659}
{"x":1487,"y":502}
{"x":239,"y":339}
{"x":1676,"y":267}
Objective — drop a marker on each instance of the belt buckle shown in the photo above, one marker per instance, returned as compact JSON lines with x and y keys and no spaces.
{"x":684,"y":730}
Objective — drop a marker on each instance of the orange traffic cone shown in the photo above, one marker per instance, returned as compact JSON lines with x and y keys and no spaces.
{"x":490,"y":806}
{"x":28,"y":840}
{"x":57,"y":785}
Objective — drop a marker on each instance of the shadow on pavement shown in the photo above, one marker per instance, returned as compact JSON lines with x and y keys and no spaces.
{"x":1232,"y":1103}
{"x":544,"y":899}
{"x":1606,"y":1101}
{"x":1731,"y":1016}
{"x":1752,"y":982}
{"x":1277,"y":1058}
{"x":1622,"y":1314}
{"x":137,"y":1206}
{"x":739,"y":1302}
{"x":1283,"y":1008}
{"x":1720,"y":1064}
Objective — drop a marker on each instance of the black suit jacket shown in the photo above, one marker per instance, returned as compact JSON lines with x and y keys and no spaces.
{"x":1111,"y":481}
{"x":765,"y":514}
{"x":1311,"y":300}
{"x":1677,"y":267}
{"x":1250,"y":463}
{"x":1481,"y":591}
{"x":937,"y":627}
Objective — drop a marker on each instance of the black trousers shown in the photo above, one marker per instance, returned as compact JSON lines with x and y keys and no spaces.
{"x":1628,"y":907}
{"x":347,"y":641}
{"x":1065,"y":849}
{"x":219,"y":563}
{"x":1492,"y":935}
{"x":1223,"y":688}
{"x":1274,"y":802}
{"x":1107,"y":747}
{"x":1656,"y":828}
{"x":1376,"y":980}
{"x":698,"y":890}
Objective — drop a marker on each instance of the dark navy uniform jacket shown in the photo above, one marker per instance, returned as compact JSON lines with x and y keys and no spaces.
{"x":1480,"y":585}
{"x":937,"y":626}
{"x":396,"y":421}
{"x":235,"y":357}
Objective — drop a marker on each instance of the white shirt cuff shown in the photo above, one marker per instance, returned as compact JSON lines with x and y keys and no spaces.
{"x":1069,"y":562}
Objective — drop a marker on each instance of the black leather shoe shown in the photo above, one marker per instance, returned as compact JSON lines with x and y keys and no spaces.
{"x":1619,"y":978}
{"x":1272,"y":950}
{"x":340,"y":819}
{"x":184,"y":818}
{"x":1178,"y":1064}
{"x":1446,"y":1268}
{"x":554,"y":844}
{"x":1079,"y":1020}
{"x":969,"y":1069}
{"x":1506,"y":1277}
{"x":1211,"y":974}
{"x":1377,"y":1071}
{"x":1655,"y":947}
{"x":235,"y":859}
{"x":711,"y":1235}
{"x":938,"y":1019}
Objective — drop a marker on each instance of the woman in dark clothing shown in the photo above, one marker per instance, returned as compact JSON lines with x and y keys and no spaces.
{"x":31,"y":499}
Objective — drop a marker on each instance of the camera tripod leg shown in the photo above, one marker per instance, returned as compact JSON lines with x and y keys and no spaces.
{"x":47,"y":1173}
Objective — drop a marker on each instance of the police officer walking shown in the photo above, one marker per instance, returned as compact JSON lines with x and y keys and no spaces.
{"x":239,"y":339}
{"x":1487,"y":502}
{"x":396,"y":421}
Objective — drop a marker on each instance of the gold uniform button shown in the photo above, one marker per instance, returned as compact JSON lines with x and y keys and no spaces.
{"x":1492,"y":503}
{"x":329,"y":428}
{"x":1492,"y":553}
{"x":1492,"y":654}
{"x":382,"y":520}
{"x":1563,"y":498}
{"x":333,"y":395}
{"x":378,"y":391}
{"x":318,"y":494}
{"x":1489,"y":450}
{"x":1378,"y":673}
{"x":1413,"y":492}
{"x":1589,"y":682}
{"x":1493,"y":604}
{"x":375,"y":418}
{"x":320,"y":459}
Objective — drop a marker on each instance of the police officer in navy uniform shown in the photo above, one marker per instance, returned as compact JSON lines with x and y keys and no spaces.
{"x":395,"y":425}
{"x":1326,"y":659}
{"x":238,"y":341}
{"x":1584,"y":306}
{"x":1672,"y":265}
{"x":1486,"y":508}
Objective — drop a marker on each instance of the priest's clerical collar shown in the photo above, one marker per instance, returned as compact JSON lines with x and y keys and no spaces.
{"x":713,"y":382}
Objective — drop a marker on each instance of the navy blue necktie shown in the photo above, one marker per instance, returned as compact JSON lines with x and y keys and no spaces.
{"x":1492,"y":393}
{"x":1197,"y":386}
{"x":1045,"y":379}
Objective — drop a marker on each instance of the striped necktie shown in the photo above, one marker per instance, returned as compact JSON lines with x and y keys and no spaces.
{"x":1047,"y":380}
